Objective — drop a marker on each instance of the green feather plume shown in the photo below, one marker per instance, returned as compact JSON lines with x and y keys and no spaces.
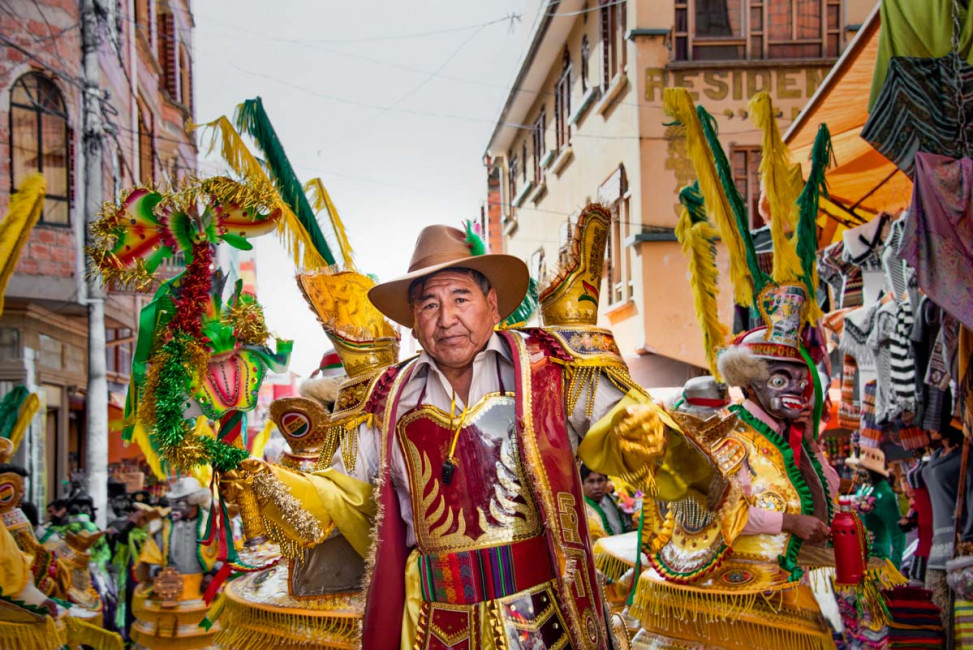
{"x":251,"y":118}
{"x":526,"y":308}
{"x":807,"y":231}
{"x":474,"y":241}
{"x":739,"y":209}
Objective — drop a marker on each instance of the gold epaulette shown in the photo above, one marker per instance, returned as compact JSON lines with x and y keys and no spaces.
{"x":359,"y":400}
{"x":713,"y":438}
{"x":588,"y":353}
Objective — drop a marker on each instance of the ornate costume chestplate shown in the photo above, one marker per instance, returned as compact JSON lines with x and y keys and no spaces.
{"x":487,"y":502}
{"x":770,"y":489}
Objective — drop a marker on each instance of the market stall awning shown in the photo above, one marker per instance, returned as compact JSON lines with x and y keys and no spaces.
{"x":862,"y":180}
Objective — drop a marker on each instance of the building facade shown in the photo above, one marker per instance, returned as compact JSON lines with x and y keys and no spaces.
{"x":585,"y":123}
{"x":145,"y":57}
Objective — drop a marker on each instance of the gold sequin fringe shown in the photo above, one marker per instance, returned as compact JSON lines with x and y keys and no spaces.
{"x":249,"y":628}
{"x":610,"y":566}
{"x":31,"y":636}
{"x":87,"y":634}
{"x":268,"y":487}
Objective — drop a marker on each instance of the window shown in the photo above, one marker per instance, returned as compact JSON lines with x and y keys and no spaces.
{"x":523,"y":156}
{"x":721,"y":30}
{"x":120,"y":343}
{"x":745,"y":162}
{"x":185,"y":78}
{"x":585,"y":53}
{"x":39,"y":141}
{"x":537,"y":268}
{"x":146,"y":146}
{"x":143,"y":16}
{"x":612,"y":39}
{"x":540,"y":148}
{"x":167,"y":53}
{"x":562,"y":104}
{"x":512,"y":178}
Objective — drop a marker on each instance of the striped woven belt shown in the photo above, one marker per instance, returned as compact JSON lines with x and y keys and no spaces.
{"x":469,"y":577}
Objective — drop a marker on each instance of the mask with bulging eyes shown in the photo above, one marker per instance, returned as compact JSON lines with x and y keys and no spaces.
{"x":784,"y":394}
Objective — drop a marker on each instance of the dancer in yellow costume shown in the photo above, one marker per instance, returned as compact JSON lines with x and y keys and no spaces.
{"x":726,"y":567}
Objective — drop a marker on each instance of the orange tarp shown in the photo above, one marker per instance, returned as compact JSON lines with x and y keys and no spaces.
{"x":861,"y":178}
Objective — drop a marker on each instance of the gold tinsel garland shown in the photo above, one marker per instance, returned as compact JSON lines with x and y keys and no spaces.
{"x":247,"y":320}
{"x":268,"y":487}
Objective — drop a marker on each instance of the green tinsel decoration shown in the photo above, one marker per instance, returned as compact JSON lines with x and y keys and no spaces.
{"x":223,"y":457}
{"x":474,"y":241}
{"x":708,"y":122}
{"x":172,"y":394}
{"x":251,"y":118}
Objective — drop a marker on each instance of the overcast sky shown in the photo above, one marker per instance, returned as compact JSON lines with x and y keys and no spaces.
{"x":390,"y":103}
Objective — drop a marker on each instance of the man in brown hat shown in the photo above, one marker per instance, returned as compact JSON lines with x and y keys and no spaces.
{"x":472,"y":448}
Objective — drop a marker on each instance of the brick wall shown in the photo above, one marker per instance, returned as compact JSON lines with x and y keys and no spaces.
{"x":50,"y":251}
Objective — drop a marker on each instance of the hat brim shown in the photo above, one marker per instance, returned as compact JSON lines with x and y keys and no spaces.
{"x":506,"y":273}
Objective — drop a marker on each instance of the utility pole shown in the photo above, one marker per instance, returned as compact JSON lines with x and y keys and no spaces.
{"x":96,"y":456}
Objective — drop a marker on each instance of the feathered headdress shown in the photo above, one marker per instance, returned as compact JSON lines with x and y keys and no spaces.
{"x":786,"y":299}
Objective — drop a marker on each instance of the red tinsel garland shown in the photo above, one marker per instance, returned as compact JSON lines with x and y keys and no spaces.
{"x":193,"y":292}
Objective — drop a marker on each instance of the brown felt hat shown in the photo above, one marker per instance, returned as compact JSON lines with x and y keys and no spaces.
{"x":439,"y":248}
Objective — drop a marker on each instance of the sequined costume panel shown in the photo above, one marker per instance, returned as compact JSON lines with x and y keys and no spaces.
{"x":486,"y":502}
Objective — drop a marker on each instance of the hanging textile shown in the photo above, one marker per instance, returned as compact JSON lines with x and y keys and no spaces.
{"x":938,"y":236}
{"x":919,"y":29}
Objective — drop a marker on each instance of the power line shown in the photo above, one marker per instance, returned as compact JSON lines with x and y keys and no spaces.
{"x":74,"y":81}
{"x":588,"y":10}
{"x":509,"y":18}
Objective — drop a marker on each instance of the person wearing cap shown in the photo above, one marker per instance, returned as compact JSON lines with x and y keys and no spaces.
{"x":472,"y":447}
{"x":879,"y":506}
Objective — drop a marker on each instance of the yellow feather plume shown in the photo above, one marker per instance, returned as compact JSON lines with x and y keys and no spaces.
{"x":261,"y":440}
{"x":698,"y":244}
{"x":289,"y":229}
{"x":679,"y":104}
{"x":321,"y":200}
{"x":781,"y":187}
{"x":141,"y":438}
{"x":24,"y":211}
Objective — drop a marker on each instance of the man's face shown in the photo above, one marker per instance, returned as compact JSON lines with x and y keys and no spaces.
{"x":56,"y":514}
{"x":181,"y":509}
{"x":594,"y":486}
{"x":783,"y":394}
{"x":453,"y":319}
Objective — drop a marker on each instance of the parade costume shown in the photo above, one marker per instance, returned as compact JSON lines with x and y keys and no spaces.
{"x":724,"y":570}
{"x":169,"y":608}
{"x":313,"y":598}
{"x":481,"y":515}
{"x":30,"y":574}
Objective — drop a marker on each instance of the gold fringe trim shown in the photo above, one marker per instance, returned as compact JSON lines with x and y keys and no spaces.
{"x":268,"y":487}
{"x":678,"y":104}
{"x":778,"y":183}
{"x":752,"y":619}
{"x":43,"y":635}
{"x":289,"y":230}
{"x":84,"y":633}
{"x":698,"y":244}
{"x":610,"y":566}
{"x":321,"y":200}
{"x":250,"y":628}
{"x":25,"y":208}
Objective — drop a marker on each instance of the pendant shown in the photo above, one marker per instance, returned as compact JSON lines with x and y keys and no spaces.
{"x":449,"y":468}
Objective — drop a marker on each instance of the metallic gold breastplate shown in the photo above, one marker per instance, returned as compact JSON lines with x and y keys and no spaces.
{"x":770,"y":489}
{"x":488,"y":501}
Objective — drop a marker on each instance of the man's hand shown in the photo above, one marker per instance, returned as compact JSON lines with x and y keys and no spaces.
{"x":52,"y":608}
{"x":810,"y":529}
{"x":641,"y":431}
